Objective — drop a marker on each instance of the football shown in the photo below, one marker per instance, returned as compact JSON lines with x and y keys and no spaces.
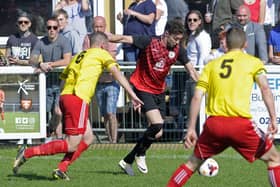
{"x":209,"y":168}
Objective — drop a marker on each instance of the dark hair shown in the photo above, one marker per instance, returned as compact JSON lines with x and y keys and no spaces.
{"x":52,"y":18}
{"x":235,"y":38}
{"x":200,"y":27}
{"x":174,"y":27}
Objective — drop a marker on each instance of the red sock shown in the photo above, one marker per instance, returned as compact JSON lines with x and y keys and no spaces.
{"x":180,"y":176}
{"x":53,"y":147}
{"x":274,"y":176}
{"x":69,"y":158}
{"x":63,"y":165}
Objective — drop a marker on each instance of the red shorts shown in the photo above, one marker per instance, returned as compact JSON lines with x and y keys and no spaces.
{"x":239,"y":133}
{"x":75,"y":114}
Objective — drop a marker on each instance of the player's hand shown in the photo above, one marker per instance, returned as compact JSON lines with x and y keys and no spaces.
{"x":272,"y":129}
{"x":190,"y":138}
{"x":137,"y":103}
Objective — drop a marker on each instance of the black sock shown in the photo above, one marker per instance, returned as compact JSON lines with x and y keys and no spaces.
{"x":140,"y":149}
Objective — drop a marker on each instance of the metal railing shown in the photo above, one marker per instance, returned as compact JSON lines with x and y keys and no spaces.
{"x":132,"y":124}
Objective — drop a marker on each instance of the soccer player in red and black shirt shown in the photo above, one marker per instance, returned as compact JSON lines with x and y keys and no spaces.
{"x":153,"y":64}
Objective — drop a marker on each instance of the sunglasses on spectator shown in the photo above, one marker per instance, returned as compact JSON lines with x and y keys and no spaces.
{"x":52,"y":27}
{"x":240,"y":15}
{"x":21,"y":22}
{"x":194,"y":20}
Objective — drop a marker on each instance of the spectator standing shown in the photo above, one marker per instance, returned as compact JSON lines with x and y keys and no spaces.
{"x":55,"y":50}
{"x":256,"y":39}
{"x":154,"y":62}
{"x":274,"y":45}
{"x":20,"y":44}
{"x":68,"y":31}
{"x":199,"y":41}
{"x":19,"y":47}
{"x":77,"y":10}
{"x":228,"y":106}
{"x":138,"y":19}
{"x":80,"y":78}
{"x":257,"y":9}
{"x":223,"y":13}
{"x":107,"y":89}
{"x":161,"y":16}
{"x":198,"y":48}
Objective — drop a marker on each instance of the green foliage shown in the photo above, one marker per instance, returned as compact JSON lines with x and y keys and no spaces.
{"x":98,"y":167}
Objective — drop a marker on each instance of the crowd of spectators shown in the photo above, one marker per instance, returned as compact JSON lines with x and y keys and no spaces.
{"x":148,"y":17}
{"x":205,"y":22}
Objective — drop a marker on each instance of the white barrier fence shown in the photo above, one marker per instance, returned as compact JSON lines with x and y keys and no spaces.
{"x":31,"y":123}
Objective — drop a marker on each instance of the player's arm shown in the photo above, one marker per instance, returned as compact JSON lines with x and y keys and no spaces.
{"x":191,"y":136}
{"x":269,"y":101}
{"x":121,"y":38}
{"x":123,"y":81}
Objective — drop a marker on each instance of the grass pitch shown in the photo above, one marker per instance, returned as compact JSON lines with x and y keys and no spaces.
{"x":98,"y":167}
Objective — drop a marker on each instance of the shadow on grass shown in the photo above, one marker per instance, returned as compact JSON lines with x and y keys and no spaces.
{"x":30,"y":177}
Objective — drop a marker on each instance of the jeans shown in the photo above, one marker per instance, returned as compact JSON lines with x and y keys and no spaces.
{"x":107,"y":96}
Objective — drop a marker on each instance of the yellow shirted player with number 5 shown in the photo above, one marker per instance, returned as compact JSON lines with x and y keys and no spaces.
{"x":81,"y":77}
{"x":228,"y":82}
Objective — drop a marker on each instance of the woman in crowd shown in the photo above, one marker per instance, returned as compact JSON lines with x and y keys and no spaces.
{"x":198,"y":48}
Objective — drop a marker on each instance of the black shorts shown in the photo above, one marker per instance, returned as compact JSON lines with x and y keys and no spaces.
{"x":152,"y":101}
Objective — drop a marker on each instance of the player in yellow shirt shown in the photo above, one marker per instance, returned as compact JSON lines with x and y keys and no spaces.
{"x":80,"y":77}
{"x":228,"y":82}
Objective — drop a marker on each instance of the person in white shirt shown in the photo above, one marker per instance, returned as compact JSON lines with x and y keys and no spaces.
{"x":197,"y":49}
{"x":199,"y":41}
{"x":161,"y":16}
